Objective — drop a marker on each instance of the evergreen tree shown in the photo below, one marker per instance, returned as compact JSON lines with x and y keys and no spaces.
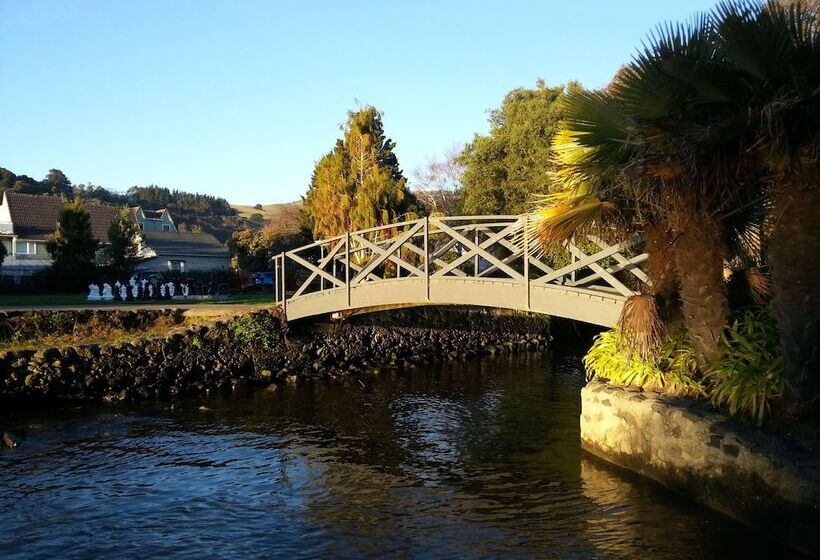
{"x":73,"y":247}
{"x":358,"y":184}
{"x":122,"y":252}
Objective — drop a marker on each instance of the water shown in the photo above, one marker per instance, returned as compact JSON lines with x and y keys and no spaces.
{"x":476,"y":460}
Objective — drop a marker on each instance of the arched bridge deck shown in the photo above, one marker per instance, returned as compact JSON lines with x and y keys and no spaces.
{"x":471,"y":260}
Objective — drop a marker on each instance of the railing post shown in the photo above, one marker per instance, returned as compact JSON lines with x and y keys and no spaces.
{"x":284,"y":287}
{"x":475,"y":259}
{"x":321,"y":258}
{"x":276,"y":279}
{"x":347,"y":265}
{"x":427,"y":254}
{"x":527,"y":258}
{"x":572,"y":255}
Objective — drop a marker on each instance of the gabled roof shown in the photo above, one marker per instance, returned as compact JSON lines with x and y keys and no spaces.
{"x":36,"y":216}
{"x":184,"y":244}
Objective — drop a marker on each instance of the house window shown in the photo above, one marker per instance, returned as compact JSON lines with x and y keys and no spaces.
{"x":166,"y":228}
{"x":176,"y":266}
{"x":26,"y":248}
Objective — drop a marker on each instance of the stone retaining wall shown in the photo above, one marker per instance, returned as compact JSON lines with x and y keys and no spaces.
{"x":747,"y":474}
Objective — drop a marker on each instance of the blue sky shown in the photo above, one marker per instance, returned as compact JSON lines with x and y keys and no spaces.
{"x":240,"y":98}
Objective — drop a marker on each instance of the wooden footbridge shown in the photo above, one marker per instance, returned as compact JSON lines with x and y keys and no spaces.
{"x":484,"y":261}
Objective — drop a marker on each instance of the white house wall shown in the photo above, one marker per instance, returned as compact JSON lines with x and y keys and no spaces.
{"x":5,"y":216}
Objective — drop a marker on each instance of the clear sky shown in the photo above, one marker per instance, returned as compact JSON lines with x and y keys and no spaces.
{"x":240,"y":98}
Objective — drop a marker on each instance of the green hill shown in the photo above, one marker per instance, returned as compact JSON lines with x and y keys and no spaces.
{"x":284,"y":216}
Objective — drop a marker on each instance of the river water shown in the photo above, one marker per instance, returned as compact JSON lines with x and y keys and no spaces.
{"x":470,"y":460}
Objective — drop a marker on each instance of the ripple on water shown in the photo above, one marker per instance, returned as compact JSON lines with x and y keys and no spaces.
{"x":475,"y":460}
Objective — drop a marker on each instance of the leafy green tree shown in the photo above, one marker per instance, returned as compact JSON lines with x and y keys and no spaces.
{"x":358,"y":184}
{"x":73,"y":247}
{"x":122,"y":252}
{"x":504,"y":169}
{"x":57,"y":183}
{"x":253,"y":250}
{"x":20,"y":183}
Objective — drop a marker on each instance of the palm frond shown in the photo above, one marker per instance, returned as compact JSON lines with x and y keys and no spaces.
{"x":565,"y":215}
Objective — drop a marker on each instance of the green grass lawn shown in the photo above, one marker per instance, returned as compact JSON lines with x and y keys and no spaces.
{"x":38,"y":300}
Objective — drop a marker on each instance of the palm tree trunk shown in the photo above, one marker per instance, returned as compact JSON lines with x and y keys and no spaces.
{"x":699,"y":260}
{"x":795,"y":260}
{"x":660,"y":247}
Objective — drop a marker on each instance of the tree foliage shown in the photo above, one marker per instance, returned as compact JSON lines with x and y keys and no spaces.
{"x":73,"y":247}
{"x":54,"y":183}
{"x":58,"y":183}
{"x":505,"y":168}
{"x":123,"y":247}
{"x":358,"y":184}
{"x":252,"y":250}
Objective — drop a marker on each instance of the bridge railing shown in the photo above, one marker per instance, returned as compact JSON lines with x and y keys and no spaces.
{"x":492,"y":248}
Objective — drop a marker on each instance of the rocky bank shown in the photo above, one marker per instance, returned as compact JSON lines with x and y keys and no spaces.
{"x":252,"y":348}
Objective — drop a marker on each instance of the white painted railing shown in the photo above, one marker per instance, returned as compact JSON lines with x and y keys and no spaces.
{"x":480,"y":260}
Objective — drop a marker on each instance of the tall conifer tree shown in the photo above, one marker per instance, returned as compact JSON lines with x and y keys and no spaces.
{"x":358,"y":184}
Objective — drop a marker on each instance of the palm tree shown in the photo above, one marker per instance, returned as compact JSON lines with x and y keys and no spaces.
{"x":665,"y":144}
{"x":775,"y":50}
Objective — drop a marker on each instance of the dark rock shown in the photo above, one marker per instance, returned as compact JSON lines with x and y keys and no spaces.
{"x":10,"y":440}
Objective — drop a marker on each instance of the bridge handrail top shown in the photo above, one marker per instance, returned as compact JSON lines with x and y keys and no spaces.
{"x":316,"y":243}
{"x":386,"y":226}
{"x":477,"y":218}
{"x":482,"y":217}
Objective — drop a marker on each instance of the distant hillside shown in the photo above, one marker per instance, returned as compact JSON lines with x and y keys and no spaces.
{"x":190,"y":211}
{"x":284,"y":217}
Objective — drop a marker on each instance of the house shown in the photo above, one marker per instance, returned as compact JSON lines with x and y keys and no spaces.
{"x":179,"y":251}
{"x":165,"y":248}
{"x":27,"y":221}
{"x":154,"y":220}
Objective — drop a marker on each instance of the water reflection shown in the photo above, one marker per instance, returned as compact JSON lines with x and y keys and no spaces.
{"x":477,"y":460}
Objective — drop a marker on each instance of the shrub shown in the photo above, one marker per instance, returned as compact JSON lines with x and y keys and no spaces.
{"x":54,"y":323}
{"x":672,"y":371}
{"x":261,"y":330}
{"x":749,"y":374}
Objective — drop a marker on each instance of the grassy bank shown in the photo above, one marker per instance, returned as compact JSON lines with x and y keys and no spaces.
{"x":80,"y":300}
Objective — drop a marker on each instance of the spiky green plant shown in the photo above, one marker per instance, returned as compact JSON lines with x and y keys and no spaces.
{"x":749,"y":375}
{"x":673,"y":371}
